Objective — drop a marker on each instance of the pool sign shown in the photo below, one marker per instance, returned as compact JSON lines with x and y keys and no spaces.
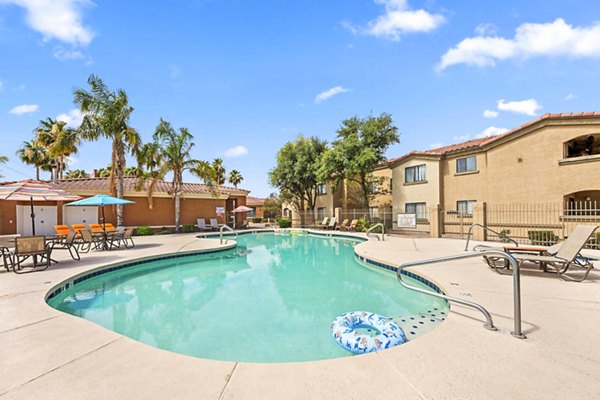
{"x":407,"y":220}
{"x":220,"y":211}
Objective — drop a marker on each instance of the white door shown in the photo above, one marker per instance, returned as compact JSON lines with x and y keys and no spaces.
{"x":45,"y":219}
{"x":80,"y":215}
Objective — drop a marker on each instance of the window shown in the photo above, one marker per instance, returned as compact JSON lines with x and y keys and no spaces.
{"x":391,"y":186}
{"x":465,"y":207}
{"x":588,"y":145}
{"x":374,"y":212}
{"x":286,"y":212}
{"x":414,"y":174}
{"x":321,"y":189}
{"x":321,"y":213}
{"x":467,"y":164}
{"x":416,"y":208}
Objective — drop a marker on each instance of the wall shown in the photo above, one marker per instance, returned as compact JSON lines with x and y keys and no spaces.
{"x":427,"y":192}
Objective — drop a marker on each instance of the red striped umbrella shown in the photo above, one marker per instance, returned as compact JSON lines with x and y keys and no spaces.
{"x":30,"y":190}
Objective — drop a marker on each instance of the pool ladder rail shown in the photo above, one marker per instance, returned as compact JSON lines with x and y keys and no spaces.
{"x":517,"y":332}
{"x":501,"y":235}
{"x":226,"y":227}
{"x":371,"y":234}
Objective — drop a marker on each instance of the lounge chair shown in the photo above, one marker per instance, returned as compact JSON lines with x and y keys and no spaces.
{"x":352,"y":226}
{"x":322,"y":224}
{"x":96,"y":228}
{"x":62,"y":230}
{"x":7,"y":247}
{"x":567,"y":255}
{"x":201,"y":224}
{"x":68,"y":243}
{"x":332,"y":223}
{"x":77,"y":228}
{"x":214,"y":225}
{"x":344,"y":225}
{"x":31,"y":246}
{"x":88,"y":240}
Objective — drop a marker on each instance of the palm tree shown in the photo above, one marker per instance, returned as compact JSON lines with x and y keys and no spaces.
{"x":106,"y":114}
{"x":76,"y":174}
{"x":150,"y":160}
{"x":32,"y":153}
{"x":3,"y":160}
{"x":235,"y":177}
{"x":219,"y":170}
{"x":59,"y":141}
{"x":176,"y":149}
{"x":205,"y":171}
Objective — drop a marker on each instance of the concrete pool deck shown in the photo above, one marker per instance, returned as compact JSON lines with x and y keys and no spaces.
{"x":45,"y":353}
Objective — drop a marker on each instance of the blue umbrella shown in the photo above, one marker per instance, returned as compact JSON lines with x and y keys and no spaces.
{"x":100,"y":200}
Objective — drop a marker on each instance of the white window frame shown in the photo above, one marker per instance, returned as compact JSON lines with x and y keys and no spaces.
{"x":418,"y":208}
{"x":466,"y":164}
{"x":465,"y":207}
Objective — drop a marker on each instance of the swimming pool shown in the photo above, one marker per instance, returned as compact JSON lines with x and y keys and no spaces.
{"x":271,"y":299}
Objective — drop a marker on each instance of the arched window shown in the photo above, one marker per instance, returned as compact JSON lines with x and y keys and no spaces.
{"x":586,"y":145}
{"x":583,"y":203}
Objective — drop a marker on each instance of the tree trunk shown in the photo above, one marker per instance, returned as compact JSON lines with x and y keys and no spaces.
{"x":177,"y":211}
{"x":365,"y":192}
{"x":119,"y":158}
{"x":37,"y":173}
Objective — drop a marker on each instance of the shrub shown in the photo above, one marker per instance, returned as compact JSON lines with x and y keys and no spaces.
{"x":362,"y":225}
{"x":543,"y":238}
{"x":143,"y":230}
{"x":257,"y":220}
{"x":284,"y":223}
{"x":187,"y":228}
{"x":503,"y":235}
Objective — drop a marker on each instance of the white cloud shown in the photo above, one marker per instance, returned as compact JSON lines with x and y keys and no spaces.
{"x":236,"y":151}
{"x":66,"y":55}
{"x":24,"y":109}
{"x":570,"y":97}
{"x":398,"y":20}
{"x":1,"y":85}
{"x":490,"y":113}
{"x":56,"y":19}
{"x":330,"y":93}
{"x":73,"y":118}
{"x":462,"y":138}
{"x":527,"y":107}
{"x":552,"y":39}
{"x":491,"y":131}
{"x":486,"y":29}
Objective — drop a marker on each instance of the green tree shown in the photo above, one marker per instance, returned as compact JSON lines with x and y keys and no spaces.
{"x":272,"y":206}
{"x":60,"y":142}
{"x":107,"y":114}
{"x":76,"y":174}
{"x":296,"y":172}
{"x":207,"y":172}
{"x":219,"y":171}
{"x":176,"y":148}
{"x":359,"y":148}
{"x":235,"y":177}
{"x":149,"y":171}
{"x":3,"y":160}
{"x":33,"y":153}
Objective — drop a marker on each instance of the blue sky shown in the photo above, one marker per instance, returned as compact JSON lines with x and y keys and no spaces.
{"x":247,"y":76}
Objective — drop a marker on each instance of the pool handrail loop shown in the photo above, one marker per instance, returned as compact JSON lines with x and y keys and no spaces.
{"x":370,"y":234}
{"x":500,"y":235}
{"x":517,"y":332}
{"x":224,"y":226}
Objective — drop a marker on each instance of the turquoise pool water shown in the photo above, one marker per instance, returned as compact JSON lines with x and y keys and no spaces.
{"x":272,"y":299}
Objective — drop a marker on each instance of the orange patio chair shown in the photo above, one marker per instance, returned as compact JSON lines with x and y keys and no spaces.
{"x":109,"y":227}
{"x":78,"y":228}
{"x":96,"y":228}
{"x":62,"y":230}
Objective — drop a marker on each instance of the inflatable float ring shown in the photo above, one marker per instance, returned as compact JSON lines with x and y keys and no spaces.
{"x":344,"y":332}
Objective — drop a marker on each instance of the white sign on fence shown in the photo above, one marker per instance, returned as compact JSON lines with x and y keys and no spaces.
{"x":407,"y":220}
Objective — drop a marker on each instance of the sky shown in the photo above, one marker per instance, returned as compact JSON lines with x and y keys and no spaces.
{"x":247,"y":76}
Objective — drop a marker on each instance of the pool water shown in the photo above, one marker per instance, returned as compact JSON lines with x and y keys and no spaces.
{"x":271,"y":299}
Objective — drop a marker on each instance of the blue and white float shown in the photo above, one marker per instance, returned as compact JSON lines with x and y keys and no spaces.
{"x":344,"y":331}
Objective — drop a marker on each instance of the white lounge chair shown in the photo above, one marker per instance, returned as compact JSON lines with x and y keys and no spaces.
{"x":201,"y":224}
{"x":331,"y":224}
{"x":214,"y":225}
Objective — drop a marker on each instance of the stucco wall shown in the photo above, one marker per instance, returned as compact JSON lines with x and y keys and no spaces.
{"x":428,"y":192}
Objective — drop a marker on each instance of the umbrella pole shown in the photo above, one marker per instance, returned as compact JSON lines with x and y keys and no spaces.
{"x":32,"y":216}
{"x":105,"y":239}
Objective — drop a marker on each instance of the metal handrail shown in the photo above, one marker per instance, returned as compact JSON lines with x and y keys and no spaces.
{"x":229,"y":229}
{"x":374,"y":235}
{"x":501,"y":235}
{"x":517,"y":332}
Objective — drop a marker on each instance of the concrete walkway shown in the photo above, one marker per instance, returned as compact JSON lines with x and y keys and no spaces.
{"x":47,"y":354}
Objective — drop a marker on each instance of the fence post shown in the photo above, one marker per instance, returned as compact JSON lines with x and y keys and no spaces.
{"x":480,"y":217}
{"x":435,"y":227}
{"x":337,"y":212}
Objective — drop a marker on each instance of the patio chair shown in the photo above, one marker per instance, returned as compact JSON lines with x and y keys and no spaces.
{"x":68,"y":243}
{"x":31,"y":246}
{"x":62,"y":230}
{"x":77,"y":228}
{"x":201,"y":224}
{"x":214,"y":225}
{"x":7,"y":246}
{"x":88,"y":240}
{"x":125,"y":237}
{"x":567,"y":255}
{"x":96,"y":228}
{"x":344,"y":225}
{"x":352,"y":226}
{"x":332,"y":223}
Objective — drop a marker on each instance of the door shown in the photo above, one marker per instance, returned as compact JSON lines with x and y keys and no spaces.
{"x":80,"y":215}
{"x":45,"y":219}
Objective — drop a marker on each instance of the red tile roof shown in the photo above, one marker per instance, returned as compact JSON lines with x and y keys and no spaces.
{"x":481,"y":142}
{"x":101,"y":185}
{"x":254,"y":201}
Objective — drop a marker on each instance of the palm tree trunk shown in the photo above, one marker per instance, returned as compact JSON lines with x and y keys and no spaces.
{"x":37,"y":173}
{"x":177,"y":211}
{"x":119,"y":158}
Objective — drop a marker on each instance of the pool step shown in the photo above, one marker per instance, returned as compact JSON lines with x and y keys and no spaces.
{"x":417,"y":325}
